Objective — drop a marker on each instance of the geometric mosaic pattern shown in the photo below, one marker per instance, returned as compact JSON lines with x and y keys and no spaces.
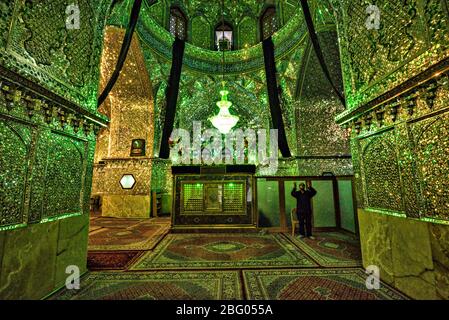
{"x":213,"y":285}
{"x":314,"y":284}
{"x":223,"y":251}
{"x":331,"y":249}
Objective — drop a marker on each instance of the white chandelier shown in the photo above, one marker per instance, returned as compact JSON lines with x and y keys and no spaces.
{"x":224,"y":121}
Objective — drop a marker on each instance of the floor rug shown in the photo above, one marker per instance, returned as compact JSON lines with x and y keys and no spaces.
{"x":94,"y":228}
{"x":166,"y":220}
{"x":214,"y":285}
{"x":137,"y":237}
{"x":222,"y":251}
{"x":110,"y":222}
{"x":314,"y":284}
{"x":331,"y":249}
{"x":110,"y":260}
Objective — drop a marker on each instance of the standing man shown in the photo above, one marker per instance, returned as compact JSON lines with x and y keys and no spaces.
{"x":304,"y":208}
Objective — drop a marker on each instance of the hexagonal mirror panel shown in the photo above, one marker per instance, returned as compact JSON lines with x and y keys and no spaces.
{"x":127,"y":181}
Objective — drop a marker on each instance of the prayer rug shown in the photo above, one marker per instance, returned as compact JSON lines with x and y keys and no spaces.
{"x":110,"y":222}
{"x":212,"y":285}
{"x":223,"y":251}
{"x":331,"y":249}
{"x":314,"y":284}
{"x":94,"y":228}
{"x":110,"y":260}
{"x":143,"y":236}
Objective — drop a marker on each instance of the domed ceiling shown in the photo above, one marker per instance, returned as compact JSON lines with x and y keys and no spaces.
{"x":202,"y":65}
{"x":203,"y":16}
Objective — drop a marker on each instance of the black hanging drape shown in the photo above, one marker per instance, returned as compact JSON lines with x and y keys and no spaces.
{"x":123,"y":51}
{"x":171,"y":96}
{"x":273,"y":96}
{"x":317,"y":49}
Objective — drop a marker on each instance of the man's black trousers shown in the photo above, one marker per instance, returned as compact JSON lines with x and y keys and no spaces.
{"x":305,"y":222}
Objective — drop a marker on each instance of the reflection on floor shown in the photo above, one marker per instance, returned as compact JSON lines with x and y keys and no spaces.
{"x":158,"y":265}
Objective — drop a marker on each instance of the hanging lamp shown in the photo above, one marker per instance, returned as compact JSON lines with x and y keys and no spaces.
{"x":224,"y":121}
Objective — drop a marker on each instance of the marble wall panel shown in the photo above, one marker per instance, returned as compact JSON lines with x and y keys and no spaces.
{"x":439,"y":239}
{"x":412,"y":255}
{"x":126,"y":206}
{"x":376,"y":244}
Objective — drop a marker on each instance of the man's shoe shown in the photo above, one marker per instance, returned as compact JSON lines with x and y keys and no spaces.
{"x":301,"y":236}
{"x":311,"y":238}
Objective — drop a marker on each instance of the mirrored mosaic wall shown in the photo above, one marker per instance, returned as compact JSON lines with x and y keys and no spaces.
{"x":129,"y":107}
{"x":207,"y":59}
{"x":46,"y":161}
{"x":199,"y":92}
{"x":399,"y":123}
{"x":408,"y":155}
{"x":315,"y":106}
{"x":48,"y":117}
{"x":245,"y":79}
{"x":411,"y":36}
{"x":323,"y":146}
{"x":37,"y":44}
{"x":201,"y":16}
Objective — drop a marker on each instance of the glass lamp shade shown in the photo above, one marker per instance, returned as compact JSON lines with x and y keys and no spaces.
{"x":224,"y":121}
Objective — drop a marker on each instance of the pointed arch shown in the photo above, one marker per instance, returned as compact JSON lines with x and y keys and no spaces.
{"x":224,"y":36}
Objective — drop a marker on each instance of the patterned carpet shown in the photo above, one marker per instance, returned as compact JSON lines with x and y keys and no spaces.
{"x":314,"y":284}
{"x":211,"y":285}
{"x":110,"y":260}
{"x":254,"y":266}
{"x":126,"y":234}
{"x":223,"y":251}
{"x":331,"y":249}
{"x":93,"y":228}
{"x":109,"y":222}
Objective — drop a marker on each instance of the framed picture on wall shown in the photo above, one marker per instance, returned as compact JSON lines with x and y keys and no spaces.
{"x":138,"y":148}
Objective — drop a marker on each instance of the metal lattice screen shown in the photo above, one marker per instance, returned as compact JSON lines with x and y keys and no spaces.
{"x":233,"y":197}
{"x":193,"y":197}
{"x":214,"y":198}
